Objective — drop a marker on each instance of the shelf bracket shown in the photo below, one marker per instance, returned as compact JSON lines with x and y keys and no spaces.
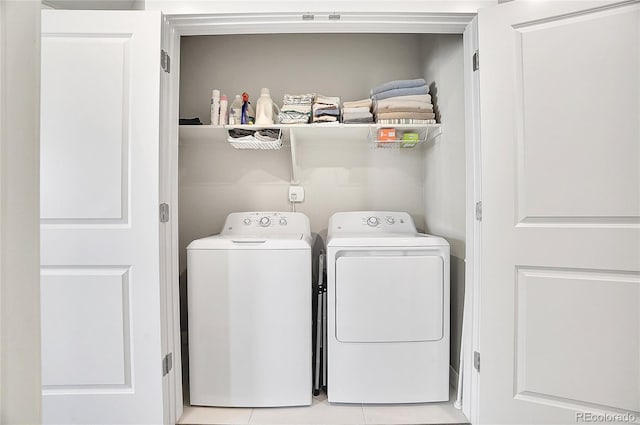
{"x":434,"y":133}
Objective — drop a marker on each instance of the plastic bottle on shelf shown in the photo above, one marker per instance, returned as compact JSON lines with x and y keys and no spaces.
{"x":264,"y":108}
{"x":223,"y":109}
{"x":235,"y":111}
{"x":215,"y":107}
{"x":247,"y":117}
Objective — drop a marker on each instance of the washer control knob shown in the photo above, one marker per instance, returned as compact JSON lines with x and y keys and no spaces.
{"x":283,"y":221}
{"x":391,"y":220}
{"x":247,"y":221}
{"x":265,"y":221}
{"x":373,"y":221}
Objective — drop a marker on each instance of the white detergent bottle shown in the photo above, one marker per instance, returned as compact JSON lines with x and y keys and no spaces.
{"x":264,"y":108}
{"x":235,"y":111}
{"x":215,"y":107}
{"x":223,"y":109}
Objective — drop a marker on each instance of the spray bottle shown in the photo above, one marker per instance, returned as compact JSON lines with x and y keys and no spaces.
{"x":245,"y":105}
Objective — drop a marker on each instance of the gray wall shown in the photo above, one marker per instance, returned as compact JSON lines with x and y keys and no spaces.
{"x":445,"y":169}
{"x":329,"y":64}
{"x":338,"y":174}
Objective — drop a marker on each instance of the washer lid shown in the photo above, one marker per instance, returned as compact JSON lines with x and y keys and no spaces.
{"x":248,"y":241}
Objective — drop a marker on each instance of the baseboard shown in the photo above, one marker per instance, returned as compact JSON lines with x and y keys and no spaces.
{"x":453,"y":378}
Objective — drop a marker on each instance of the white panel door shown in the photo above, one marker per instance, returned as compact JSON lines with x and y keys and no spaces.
{"x":101,"y":329}
{"x":560,"y":305}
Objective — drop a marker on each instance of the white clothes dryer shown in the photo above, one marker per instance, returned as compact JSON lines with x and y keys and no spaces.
{"x":388,"y":310}
{"x":249,"y":300}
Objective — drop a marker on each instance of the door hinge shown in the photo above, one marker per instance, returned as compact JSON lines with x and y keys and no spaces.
{"x":167,"y":364}
{"x":476,"y":60}
{"x":479,"y":211}
{"x":476,"y":361}
{"x":165,"y":61}
{"x":164,"y":213}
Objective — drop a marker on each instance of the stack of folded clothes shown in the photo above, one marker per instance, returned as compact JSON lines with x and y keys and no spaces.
{"x":296,"y":108}
{"x":326,"y":109}
{"x":357,"y":112}
{"x":403,"y":102}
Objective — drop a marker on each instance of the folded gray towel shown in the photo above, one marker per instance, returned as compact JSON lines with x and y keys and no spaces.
{"x":347,"y":116}
{"x":398,"y":84}
{"x":401,"y":92}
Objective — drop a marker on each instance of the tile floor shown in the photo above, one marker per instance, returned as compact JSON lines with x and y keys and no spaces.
{"x":323,"y":413}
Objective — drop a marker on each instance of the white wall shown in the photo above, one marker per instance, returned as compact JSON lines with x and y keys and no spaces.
{"x":445,"y":165}
{"x":19,"y":212}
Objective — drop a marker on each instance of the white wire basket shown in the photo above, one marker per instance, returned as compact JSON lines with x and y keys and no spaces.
{"x":403,"y":138}
{"x":251,"y":142}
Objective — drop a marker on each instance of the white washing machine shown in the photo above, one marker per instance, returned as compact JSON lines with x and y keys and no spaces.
{"x":249,"y":300}
{"x":388,"y":310}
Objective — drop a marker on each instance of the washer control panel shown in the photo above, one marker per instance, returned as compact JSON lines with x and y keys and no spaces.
{"x":374,"y":222}
{"x":266,"y":222}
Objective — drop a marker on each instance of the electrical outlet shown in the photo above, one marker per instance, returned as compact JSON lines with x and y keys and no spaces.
{"x":296,"y":194}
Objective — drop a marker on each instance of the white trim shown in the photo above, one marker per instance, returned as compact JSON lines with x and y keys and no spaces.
{"x":471,"y":317}
{"x":204,"y":7}
{"x":170,"y":107}
{"x":169,"y":101}
{"x":233,"y":22}
{"x":291,"y":22}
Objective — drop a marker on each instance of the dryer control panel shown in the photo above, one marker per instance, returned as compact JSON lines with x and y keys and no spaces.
{"x":375,"y":222}
{"x":267,"y":223}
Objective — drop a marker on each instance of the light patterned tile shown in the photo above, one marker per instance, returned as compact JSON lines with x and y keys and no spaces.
{"x":319,"y":413}
{"x":407,"y":414}
{"x":199,"y":415}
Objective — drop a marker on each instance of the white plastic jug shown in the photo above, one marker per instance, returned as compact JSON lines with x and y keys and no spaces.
{"x":265,"y":108}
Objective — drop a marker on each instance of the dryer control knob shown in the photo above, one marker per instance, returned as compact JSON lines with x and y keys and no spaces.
{"x":373,"y":221}
{"x":391,"y":220}
{"x":265,"y":221}
{"x":247,"y":221}
{"x":283,"y":221}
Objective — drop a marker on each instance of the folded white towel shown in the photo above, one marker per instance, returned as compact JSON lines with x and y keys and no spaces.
{"x":297,"y":108}
{"x":414,"y":97}
{"x":357,"y":103}
{"x":327,"y":100}
{"x":383,"y":104}
{"x":359,"y":109}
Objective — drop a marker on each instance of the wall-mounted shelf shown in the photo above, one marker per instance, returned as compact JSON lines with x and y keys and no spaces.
{"x":312,"y":133}
{"x":307,"y":133}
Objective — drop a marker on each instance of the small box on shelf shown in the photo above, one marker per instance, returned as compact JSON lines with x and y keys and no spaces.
{"x":392,"y":137}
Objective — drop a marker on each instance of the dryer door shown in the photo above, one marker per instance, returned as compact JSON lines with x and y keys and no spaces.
{"x":389,"y":298}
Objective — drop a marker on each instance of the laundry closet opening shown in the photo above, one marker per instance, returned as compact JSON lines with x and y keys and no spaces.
{"x":337,"y":167}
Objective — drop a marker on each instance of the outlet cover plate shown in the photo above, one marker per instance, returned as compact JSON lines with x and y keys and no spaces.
{"x":296,"y":194}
